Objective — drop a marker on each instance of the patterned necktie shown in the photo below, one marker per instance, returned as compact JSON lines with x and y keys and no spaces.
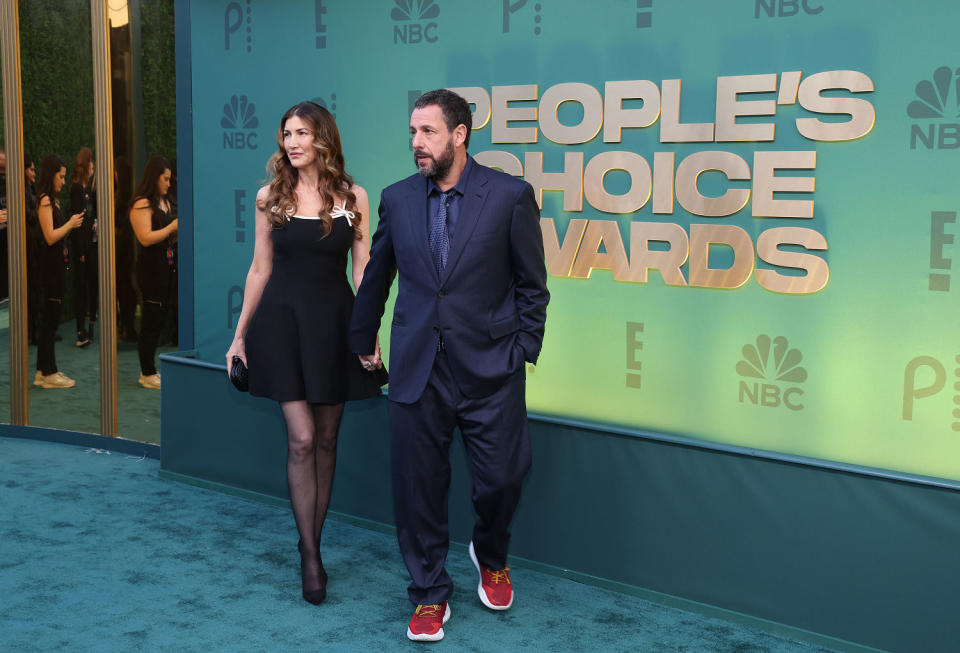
{"x":439,"y":234}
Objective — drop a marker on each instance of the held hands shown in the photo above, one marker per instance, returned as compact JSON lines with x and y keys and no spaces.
{"x":371,"y":361}
{"x":3,"y":216}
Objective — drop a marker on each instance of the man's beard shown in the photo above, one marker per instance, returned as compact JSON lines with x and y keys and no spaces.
{"x":437,"y":168}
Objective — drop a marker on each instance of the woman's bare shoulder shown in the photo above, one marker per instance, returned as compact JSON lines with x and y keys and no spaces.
{"x":359,"y":192}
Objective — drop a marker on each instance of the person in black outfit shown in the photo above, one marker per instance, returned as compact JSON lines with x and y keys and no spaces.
{"x":125,"y":253}
{"x":4,"y":288}
{"x":84,"y":242}
{"x":155,"y":226}
{"x":34,"y":240}
{"x":53,"y":264}
{"x":296,"y":309}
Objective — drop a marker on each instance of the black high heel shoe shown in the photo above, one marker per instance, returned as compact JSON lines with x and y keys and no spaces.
{"x":317,"y":596}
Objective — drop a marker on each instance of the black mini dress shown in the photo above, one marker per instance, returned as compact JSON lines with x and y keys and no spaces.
{"x":296,"y":341}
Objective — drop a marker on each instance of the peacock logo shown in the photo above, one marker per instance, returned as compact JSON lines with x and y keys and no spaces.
{"x":938,"y":99}
{"x":238,"y":113}
{"x":415,"y":10}
{"x":238,"y":121}
{"x":784,"y":366}
{"x":776,"y":366}
{"x":932,"y":95}
{"x":415,"y":21}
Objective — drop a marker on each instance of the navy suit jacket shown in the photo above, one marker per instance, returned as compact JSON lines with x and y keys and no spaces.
{"x":490,"y":302}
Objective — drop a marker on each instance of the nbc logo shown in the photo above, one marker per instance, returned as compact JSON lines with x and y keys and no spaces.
{"x":938,"y":99}
{"x":239,"y":120}
{"x":777,"y":366}
{"x":412,"y":17}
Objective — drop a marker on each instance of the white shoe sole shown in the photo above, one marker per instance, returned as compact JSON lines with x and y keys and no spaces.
{"x":480,"y":592}
{"x":436,"y":637}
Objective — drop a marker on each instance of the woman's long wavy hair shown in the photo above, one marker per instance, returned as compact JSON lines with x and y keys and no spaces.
{"x":147,"y":188}
{"x":333,"y":180}
{"x":81,"y":167}
{"x":49,"y":168}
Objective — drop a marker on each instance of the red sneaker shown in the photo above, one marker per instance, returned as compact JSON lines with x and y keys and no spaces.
{"x":495,"y":588}
{"x":426,"y":624}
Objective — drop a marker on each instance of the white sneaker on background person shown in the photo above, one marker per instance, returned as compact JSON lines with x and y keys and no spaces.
{"x":55,"y":380}
{"x":151,"y":381}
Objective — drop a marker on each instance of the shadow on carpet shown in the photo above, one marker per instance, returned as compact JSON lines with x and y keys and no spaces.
{"x":98,"y":553}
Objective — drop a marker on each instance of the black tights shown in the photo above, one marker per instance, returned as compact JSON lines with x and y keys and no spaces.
{"x":86,"y":284}
{"x":46,"y":359}
{"x":151,"y":323}
{"x":311,"y":459}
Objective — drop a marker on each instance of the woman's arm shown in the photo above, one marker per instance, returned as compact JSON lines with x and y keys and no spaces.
{"x":140,"y":218}
{"x":360,"y":250}
{"x":360,"y":254}
{"x":257,"y":277}
{"x":45,"y":216}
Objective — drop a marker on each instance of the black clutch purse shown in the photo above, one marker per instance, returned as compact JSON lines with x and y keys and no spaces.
{"x":238,"y":375}
{"x":380,"y":375}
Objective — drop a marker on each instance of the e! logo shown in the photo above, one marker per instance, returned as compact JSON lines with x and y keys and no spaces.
{"x":634,"y":345}
{"x":938,"y":239}
{"x":238,"y":209}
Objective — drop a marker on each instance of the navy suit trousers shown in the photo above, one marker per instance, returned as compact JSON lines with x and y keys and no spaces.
{"x":497,"y":441}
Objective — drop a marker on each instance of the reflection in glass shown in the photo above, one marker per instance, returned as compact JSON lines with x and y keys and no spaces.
{"x":144,"y":121}
{"x":4,"y":303}
{"x":57,"y":81}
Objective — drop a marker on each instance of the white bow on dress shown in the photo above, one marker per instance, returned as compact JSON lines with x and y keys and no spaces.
{"x":342,"y":212}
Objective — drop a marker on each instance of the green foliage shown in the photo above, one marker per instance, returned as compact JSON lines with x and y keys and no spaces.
{"x":56,"y":63}
{"x":56,"y":57}
{"x":158,"y":66}
{"x":57,"y":79}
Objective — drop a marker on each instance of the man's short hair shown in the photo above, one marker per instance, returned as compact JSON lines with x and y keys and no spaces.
{"x":456,"y":110}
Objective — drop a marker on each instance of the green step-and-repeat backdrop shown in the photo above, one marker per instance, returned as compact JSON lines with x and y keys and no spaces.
{"x":749,"y":207}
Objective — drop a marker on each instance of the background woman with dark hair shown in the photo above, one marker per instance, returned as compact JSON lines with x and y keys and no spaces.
{"x":84,"y":241}
{"x":125,"y":252}
{"x":298,"y":305}
{"x":34,"y":241}
{"x":155,"y":226}
{"x":54,"y":228}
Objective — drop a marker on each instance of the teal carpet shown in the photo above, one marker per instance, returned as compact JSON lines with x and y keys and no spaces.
{"x":78,"y":408}
{"x":97,"y":553}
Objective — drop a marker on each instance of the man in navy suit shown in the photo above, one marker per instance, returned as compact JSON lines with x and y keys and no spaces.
{"x":470,"y":310}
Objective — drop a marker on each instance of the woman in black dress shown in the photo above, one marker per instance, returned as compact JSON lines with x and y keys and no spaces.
{"x":84,"y":242}
{"x":292,"y":331}
{"x":53,"y":265}
{"x":155,"y":226}
{"x":34,"y":242}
